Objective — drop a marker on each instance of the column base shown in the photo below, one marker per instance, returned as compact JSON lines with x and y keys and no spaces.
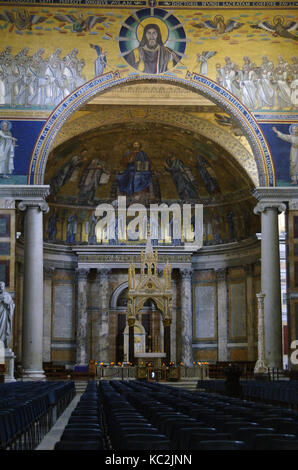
{"x":8,"y":379}
{"x":261,"y":370}
{"x":9,"y":359}
{"x":33,"y":375}
{"x":263,"y":377}
{"x":261,"y":367}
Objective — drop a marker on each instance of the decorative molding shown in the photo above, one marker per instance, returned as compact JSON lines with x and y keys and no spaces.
{"x":127,"y":258}
{"x":292,"y":295}
{"x":7,"y":204}
{"x":293,"y":205}
{"x":22,"y":191}
{"x":276,"y":194}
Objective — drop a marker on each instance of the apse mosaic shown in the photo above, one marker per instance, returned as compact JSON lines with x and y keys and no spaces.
{"x":174,"y":167}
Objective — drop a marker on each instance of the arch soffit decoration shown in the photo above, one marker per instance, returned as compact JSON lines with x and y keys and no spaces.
{"x":193,"y":82}
{"x":176,"y":119}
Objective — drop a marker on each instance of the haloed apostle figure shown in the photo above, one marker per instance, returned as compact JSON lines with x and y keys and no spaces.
{"x":93,"y":175}
{"x":64,"y":174}
{"x":182,"y":177}
{"x":151,"y":56}
{"x":136,"y":178}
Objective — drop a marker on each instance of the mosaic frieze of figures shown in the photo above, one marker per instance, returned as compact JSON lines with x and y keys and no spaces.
{"x":221,"y":225}
{"x":265,"y":85}
{"x":95,"y":42}
{"x":38,"y":80}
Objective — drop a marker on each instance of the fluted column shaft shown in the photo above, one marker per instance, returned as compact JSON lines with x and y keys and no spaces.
{"x":81,"y":356}
{"x":270,"y":280}
{"x":186,"y":318}
{"x":32,"y":342}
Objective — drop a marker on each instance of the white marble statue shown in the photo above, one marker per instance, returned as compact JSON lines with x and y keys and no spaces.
{"x":6,"y":313}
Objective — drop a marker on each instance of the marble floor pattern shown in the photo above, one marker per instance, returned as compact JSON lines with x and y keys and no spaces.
{"x":53,"y":436}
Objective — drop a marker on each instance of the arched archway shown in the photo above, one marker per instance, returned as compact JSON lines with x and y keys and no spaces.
{"x":194,"y":82}
{"x":150,"y":321}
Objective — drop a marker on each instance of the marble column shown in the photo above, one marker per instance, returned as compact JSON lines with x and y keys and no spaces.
{"x":18,"y":323}
{"x":131,"y":341}
{"x":222,"y":314}
{"x":47,"y":306}
{"x":174,"y":322}
{"x":96,"y":316}
{"x":32,"y":342}
{"x":250,"y":312}
{"x":104,"y":342}
{"x":81,"y":356}
{"x":186,"y":318}
{"x":167,"y":339}
{"x":261,"y":366}
{"x":270,"y":280}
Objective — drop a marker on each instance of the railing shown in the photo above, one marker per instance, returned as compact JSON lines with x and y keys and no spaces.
{"x":199,"y":372}
{"x":116,"y":372}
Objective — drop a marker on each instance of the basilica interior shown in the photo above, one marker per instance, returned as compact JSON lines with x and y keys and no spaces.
{"x":148,"y":218}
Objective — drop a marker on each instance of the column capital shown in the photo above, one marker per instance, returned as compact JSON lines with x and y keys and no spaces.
{"x":103,"y":273}
{"x":48,"y":272}
{"x":262,"y":206}
{"x":186,"y":273}
{"x":260,"y":296}
{"x":248,"y":269}
{"x":221,"y":274}
{"x":82,"y":273}
{"x":131,"y":320}
{"x":167,"y":321}
{"x":40,"y":204}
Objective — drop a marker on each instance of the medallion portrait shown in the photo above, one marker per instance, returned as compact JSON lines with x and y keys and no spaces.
{"x":152,"y":41}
